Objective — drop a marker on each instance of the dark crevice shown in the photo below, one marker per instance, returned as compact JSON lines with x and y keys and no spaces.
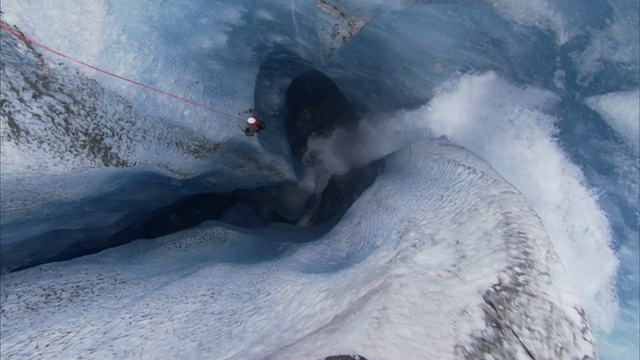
{"x":311,"y":105}
{"x":186,"y":212}
{"x":315,"y":106}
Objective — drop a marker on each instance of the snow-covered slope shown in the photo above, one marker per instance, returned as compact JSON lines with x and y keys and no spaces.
{"x":466,"y":267}
{"x":442,"y":257}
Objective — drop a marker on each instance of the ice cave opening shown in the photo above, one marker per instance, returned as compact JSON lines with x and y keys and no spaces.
{"x":312,"y":106}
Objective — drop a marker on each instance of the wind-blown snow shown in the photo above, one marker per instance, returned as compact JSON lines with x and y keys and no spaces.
{"x":487,"y":115}
{"x":497,"y":116}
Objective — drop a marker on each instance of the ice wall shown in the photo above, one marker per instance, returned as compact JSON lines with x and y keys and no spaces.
{"x":468,"y":258}
{"x":156,"y":149}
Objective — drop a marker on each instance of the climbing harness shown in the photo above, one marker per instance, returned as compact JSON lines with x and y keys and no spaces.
{"x":33,"y":42}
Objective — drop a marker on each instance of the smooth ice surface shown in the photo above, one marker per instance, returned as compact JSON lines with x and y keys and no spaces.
{"x":446,"y":247}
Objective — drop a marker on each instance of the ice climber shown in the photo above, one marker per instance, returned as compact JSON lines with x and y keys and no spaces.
{"x":255,"y":124}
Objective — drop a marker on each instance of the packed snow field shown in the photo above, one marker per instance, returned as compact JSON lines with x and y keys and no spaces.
{"x":484,"y":157}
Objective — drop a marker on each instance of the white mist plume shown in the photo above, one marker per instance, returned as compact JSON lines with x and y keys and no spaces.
{"x":509,"y":127}
{"x":371,"y":140}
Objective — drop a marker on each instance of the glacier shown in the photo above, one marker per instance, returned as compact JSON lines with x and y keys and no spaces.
{"x":437,"y":180}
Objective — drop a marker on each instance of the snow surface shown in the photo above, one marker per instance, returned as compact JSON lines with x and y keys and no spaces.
{"x":499,"y":116}
{"x":470,"y":247}
{"x":419,"y":256}
{"x":622,"y":111}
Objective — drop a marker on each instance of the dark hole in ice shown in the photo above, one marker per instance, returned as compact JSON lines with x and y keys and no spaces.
{"x":312,"y":105}
{"x":315,"y":106}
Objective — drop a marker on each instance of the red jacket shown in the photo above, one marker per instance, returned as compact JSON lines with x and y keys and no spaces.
{"x":256,"y":125}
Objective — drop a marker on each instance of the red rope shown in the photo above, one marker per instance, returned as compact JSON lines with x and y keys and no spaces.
{"x":14,"y":32}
